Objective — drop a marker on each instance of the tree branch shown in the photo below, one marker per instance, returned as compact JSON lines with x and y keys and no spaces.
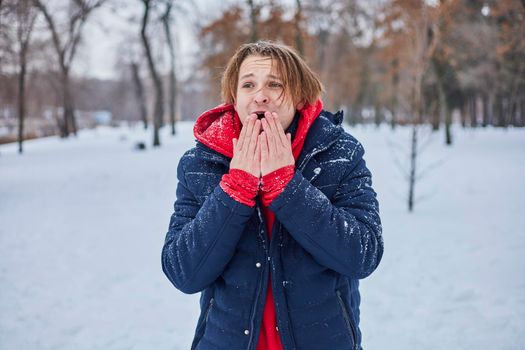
{"x":54,"y":34}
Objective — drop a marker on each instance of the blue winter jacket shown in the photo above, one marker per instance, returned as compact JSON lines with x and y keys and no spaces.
{"x":326,"y":236}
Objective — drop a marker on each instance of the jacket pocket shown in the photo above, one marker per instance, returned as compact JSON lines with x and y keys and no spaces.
{"x":348,"y":320}
{"x":210,"y":305}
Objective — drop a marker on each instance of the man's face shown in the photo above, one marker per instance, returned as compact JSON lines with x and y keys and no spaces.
{"x":260,"y":89}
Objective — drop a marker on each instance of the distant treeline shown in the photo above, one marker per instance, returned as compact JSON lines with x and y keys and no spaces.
{"x":396,"y":62}
{"x":402,"y":60}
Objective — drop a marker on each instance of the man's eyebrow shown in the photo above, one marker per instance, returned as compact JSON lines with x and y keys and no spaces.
{"x":249,"y":75}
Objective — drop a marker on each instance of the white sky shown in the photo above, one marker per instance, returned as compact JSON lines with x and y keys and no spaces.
{"x":106,"y":32}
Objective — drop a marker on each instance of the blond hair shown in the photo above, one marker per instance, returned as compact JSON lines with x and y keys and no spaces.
{"x":299,"y":81}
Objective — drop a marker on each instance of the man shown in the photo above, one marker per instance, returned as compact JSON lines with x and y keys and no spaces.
{"x":275,"y":219}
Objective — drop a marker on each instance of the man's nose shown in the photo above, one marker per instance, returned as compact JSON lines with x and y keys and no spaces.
{"x":261,"y":97}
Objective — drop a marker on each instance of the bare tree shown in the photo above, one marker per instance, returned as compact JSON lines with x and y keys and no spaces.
{"x":425,"y":44}
{"x":424,"y":138}
{"x":166,"y":21}
{"x":131,"y":56}
{"x":417,"y":21}
{"x":158,"y":110}
{"x":65,"y":45}
{"x":26,"y":16}
{"x":17,"y":36}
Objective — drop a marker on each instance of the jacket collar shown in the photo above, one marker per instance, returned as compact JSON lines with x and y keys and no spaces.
{"x":324,"y":132}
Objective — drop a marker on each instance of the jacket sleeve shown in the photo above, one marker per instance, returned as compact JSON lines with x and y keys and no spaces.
{"x":201,"y":240}
{"x":343,"y":234}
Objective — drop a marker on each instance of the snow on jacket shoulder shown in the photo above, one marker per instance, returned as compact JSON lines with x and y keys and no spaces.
{"x":327,"y":236}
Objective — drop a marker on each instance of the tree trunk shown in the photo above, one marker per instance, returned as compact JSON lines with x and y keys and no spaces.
{"x":362,"y":95}
{"x":448,"y":123}
{"x":173,"y":99}
{"x":70,"y":125}
{"x":498,"y":111}
{"x":159,"y":96}
{"x":172,"y":77}
{"x":393,"y":121}
{"x":253,"y":21}
{"x":378,"y":116}
{"x":139,"y":94}
{"x":21,"y":99}
{"x":485,"y":110}
{"x":521,"y":112}
{"x":298,"y":33}
{"x":473,"y":111}
{"x":463,"y":113}
{"x":25,"y":19}
{"x":395,"y":87}
{"x":513,"y":110}
{"x":439,"y":111}
{"x":412,"y":176}
{"x":59,"y":119}
{"x":65,"y":111}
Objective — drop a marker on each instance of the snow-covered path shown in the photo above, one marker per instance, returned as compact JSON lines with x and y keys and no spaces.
{"x":82,"y":222}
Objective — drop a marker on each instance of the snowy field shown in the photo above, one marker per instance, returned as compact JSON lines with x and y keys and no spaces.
{"x":82,"y":223}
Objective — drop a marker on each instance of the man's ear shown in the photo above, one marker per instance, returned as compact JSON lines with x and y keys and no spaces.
{"x":300,"y":105}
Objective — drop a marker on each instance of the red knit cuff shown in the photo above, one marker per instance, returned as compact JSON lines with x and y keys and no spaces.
{"x":273,"y":184}
{"x":241,"y":186}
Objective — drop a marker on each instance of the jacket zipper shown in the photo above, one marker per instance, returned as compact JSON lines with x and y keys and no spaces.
{"x":349,"y":323}
{"x":252,"y":321}
{"x":277,"y":236}
{"x":300,"y":167}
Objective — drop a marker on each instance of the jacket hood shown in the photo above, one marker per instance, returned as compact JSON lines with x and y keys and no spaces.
{"x":217,"y":127}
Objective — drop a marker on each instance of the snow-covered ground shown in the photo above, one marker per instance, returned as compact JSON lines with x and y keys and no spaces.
{"x":82,"y":223}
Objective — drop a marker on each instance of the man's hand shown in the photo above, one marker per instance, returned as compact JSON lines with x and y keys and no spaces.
{"x":275,"y":145}
{"x":246,"y":150}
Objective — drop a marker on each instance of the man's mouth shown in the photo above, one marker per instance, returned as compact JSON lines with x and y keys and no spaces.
{"x":260,"y":115}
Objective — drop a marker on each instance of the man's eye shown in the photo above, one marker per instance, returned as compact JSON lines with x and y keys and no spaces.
{"x":276,"y":85}
{"x":247,"y":85}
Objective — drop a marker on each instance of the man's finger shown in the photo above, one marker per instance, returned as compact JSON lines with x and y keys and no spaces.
{"x":264,"y":147}
{"x":253,"y":138}
{"x":271,"y":123}
{"x":270,"y":135}
{"x":257,"y":156}
{"x":279,"y":129}
{"x":244,"y":129}
{"x":250,"y":121}
{"x":289,"y":142}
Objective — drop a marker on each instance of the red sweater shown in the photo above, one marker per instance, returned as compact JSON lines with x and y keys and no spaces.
{"x":216,"y":128}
